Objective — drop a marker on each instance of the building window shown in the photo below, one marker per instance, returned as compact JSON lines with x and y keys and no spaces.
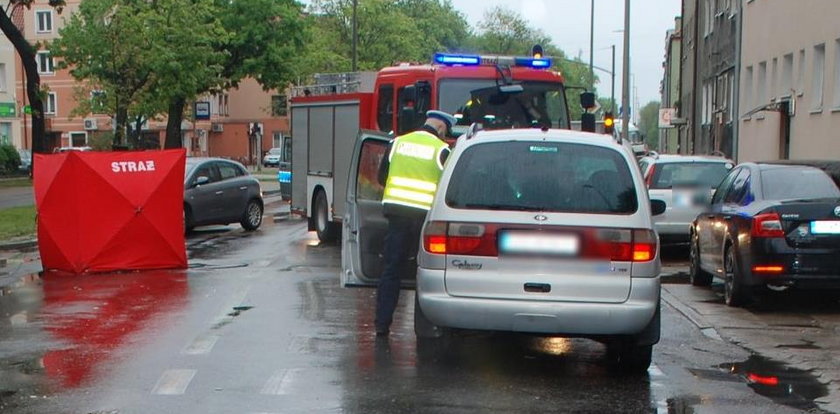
{"x":45,"y":63}
{"x":800,"y":76}
{"x":818,"y":77}
{"x":761,"y":88}
{"x":730,"y":104}
{"x":78,"y":139}
{"x":278,"y":105}
{"x":3,"y":85}
{"x":705,"y":118}
{"x":774,"y":79}
{"x":748,"y":89}
{"x":50,"y":106}
{"x":836,"y":102}
{"x":44,"y":21}
{"x":707,"y":17}
{"x":5,"y":133}
{"x":277,"y":138}
{"x":787,"y":75}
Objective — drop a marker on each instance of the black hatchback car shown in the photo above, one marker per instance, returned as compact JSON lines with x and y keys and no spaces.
{"x":770,"y":226}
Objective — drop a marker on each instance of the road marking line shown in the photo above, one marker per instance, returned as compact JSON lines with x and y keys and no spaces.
{"x":236,"y":300}
{"x":280,"y":382}
{"x":202,"y":345}
{"x":300,"y":344}
{"x":174,"y":382}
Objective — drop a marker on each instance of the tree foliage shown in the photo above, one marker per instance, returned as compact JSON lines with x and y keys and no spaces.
{"x":152,"y":57}
{"x":649,"y":123}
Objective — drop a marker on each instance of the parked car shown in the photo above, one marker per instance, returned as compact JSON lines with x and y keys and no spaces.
{"x":220,"y":191}
{"x":770,"y":226}
{"x":25,"y":160}
{"x":685,"y":183}
{"x":543,"y":232}
{"x":65,"y":149}
{"x":273,"y":157}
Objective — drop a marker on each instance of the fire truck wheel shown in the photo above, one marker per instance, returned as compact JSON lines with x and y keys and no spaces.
{"x":323,"y":226}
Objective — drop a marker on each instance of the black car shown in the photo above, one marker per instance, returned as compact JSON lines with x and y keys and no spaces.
{"x":220,"y":191}
{"x":770,"y":226}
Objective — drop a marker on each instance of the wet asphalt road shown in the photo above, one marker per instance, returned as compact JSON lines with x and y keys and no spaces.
{"x":258,"y":324}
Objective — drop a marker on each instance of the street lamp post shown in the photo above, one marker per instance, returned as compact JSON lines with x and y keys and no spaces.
{"x":592,"y":46}
{"x":625,"y":83}
{"x":612,"y":82}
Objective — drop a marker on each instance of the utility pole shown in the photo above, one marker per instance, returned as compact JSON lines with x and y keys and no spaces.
{"x":612,"y":83}
{"x":355,"y":37}
{"x":625,"y":82}
{"x":592,"y":46}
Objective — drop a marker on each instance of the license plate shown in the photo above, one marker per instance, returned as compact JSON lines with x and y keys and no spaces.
{"x":825,"y":227}
{"x":533,"y":243}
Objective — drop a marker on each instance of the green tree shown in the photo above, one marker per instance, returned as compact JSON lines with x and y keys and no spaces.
{"x":649,"y":123}
{"x":506,"y":32}
{"x":109,"y":45}
{"x":30,"y":68}
{"x":262,"y":39}
{"x":388,"y":32}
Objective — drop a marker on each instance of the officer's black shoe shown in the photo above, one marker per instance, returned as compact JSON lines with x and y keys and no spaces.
{"x":382,"y":331}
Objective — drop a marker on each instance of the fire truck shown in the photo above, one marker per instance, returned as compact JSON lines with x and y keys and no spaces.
{"x":329,"y":116}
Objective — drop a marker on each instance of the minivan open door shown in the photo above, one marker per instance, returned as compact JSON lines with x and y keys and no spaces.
{"x":363,"y":236}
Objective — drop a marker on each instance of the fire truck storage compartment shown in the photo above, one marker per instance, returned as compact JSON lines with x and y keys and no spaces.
{"x":332,"y":128}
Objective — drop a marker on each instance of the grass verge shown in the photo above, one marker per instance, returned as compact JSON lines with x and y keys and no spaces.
{"x":15,"y":182}
{"x":17,"y":222}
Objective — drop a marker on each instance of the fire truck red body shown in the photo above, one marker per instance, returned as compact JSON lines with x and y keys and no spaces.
{"x":326,"y":118}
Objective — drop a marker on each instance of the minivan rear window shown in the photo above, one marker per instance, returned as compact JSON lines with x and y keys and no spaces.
{"x":689,"y":174}
{"x":542,"y":176}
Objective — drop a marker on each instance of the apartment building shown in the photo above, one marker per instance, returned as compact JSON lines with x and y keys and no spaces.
{"x":711,"y":30}
{"x":241,"y":123}
{"x":669,"y":138}
{"x":790,"y":90}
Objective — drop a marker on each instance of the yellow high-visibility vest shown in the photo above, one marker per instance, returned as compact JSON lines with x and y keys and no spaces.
{"x":415,"y":170}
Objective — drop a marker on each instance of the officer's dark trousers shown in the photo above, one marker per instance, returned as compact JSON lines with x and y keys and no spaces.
{"x":401,"y":244}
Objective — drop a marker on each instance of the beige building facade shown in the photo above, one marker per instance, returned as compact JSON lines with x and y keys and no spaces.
{"x":790,"y":80}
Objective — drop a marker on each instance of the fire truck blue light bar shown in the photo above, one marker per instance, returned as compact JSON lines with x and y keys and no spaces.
{"x":447,"y":59}
{"x":536,"y":63}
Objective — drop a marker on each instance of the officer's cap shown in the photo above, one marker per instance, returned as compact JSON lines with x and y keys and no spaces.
{"x":443,"y":116}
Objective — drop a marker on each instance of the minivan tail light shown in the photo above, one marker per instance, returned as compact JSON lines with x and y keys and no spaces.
{"x":622,"y":245}
{"x":466,"y":239}
{"x":767,"y":225}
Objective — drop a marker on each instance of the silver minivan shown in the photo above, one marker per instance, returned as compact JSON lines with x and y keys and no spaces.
{"x":686,"y":184}
{"x":544,"y":232}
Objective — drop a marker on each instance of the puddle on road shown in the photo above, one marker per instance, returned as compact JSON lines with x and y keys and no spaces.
{"x":784,"y":385}
{"x":60,"y":330}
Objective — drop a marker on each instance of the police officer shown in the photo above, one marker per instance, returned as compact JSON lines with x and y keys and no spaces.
{"x":410,"y":175}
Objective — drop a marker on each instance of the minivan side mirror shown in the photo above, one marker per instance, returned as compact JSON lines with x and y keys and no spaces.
{"x":657,"y":207}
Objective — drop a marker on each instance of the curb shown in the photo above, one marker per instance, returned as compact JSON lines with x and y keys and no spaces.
{"x":688,"y":312}
{"x":23,"y":244}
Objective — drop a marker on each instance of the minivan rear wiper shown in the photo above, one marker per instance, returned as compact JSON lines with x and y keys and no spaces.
{"x":502,"y":207}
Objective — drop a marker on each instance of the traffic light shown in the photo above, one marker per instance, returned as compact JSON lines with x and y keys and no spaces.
{"x":537,"y":51}
{"x":609,"y":123}
{"x":587,"y":122}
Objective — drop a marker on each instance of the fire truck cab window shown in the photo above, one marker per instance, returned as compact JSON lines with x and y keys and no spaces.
{"x":413,"y":104}
{"x":385,"y":108}
{"x":538,"y":104}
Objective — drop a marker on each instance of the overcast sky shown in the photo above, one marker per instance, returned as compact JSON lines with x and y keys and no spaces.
{"x":567,"y":22}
